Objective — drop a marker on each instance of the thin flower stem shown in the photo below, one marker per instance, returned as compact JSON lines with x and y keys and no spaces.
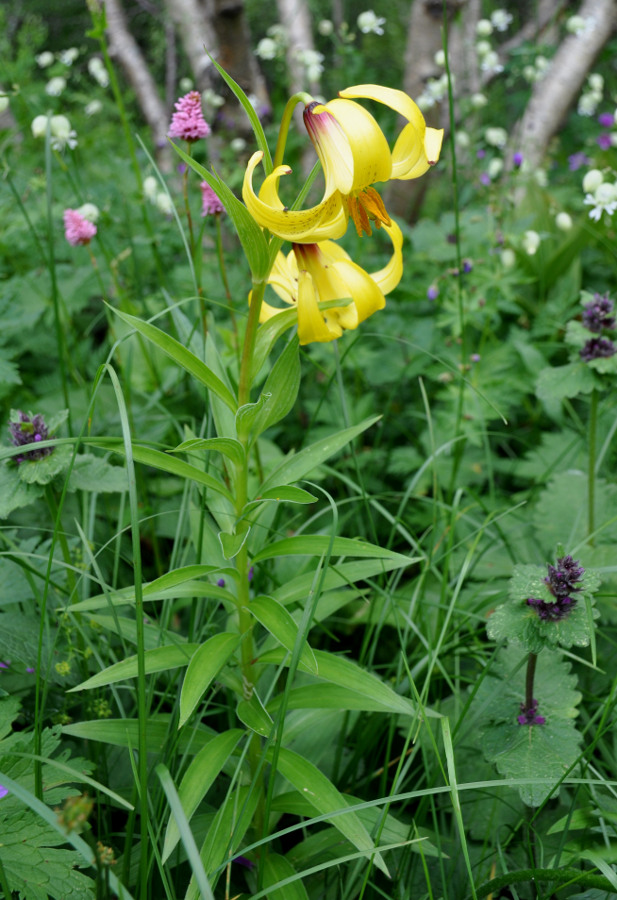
{"x":300,"y":97}
{"x":591,"y":478}
{"x":225,"y":280}
{"x":187,"y":206}
{"x":246,"y":375}
{"x":529,"y":678}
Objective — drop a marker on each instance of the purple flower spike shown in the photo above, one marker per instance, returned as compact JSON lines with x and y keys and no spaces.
{"x":598,"y":348}
{"x":517,"y":159}
{"x":188,"y":123}
{"x":433,"y":292}
{"x":563,"y":579}
{"x":250,"y":574}
{"x":243,"y":861}
{"x":597,"y":314}
{"x":604,"y":141}
{"x":577,"y":161}
{"x":530,"y":716}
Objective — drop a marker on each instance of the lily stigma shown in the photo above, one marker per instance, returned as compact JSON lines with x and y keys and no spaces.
{"x":313,"y":278}
{"x":354,"y":154}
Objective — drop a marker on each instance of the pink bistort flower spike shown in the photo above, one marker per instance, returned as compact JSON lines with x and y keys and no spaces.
{"x":210,"y":203}
{"x":77,"y":230}
{"x":188,"y":122}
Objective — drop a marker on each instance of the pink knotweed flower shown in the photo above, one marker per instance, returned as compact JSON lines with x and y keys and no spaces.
{"x":77,"y":230}
{"x":188,"y":122}
{"x":210,"y":203}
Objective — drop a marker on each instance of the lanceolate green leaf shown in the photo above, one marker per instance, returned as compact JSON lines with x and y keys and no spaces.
{"x":227,"y":446}
{"x":199,"y":778}
{"x":253,"y":714}
{"x":279,"y":392}
{"x":124,"y":733}
{"x":295,"y":467}
{"x":316,"y":544}
{"x":158,"y":660}
{"x":166,"y":463}
{"x":325,"y":798}
{"x":278,"y":621}
{"x":206,"y":663}
{"x":180,"y":354}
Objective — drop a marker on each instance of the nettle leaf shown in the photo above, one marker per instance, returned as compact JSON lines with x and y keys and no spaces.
{"x":19,"y":634}
{"x":42,"y":471}
{"x":576,"y":334}
{"x":519,"y":622}
{"x":15,"y":493}
{"x":561,"y":511}
{"x":606,"y":365}
{"x":529,"y":751}
{"x":559,"y":382}
{"x":90,"y":473}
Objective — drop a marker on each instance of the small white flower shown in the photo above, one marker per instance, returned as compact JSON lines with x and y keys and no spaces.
{"x":325,"y":27}
{"x":211,"y":98}
{"x":185,"y":85}
{"x":90,"y":212}
{"x":44,"y":59}
{"x":267,"y":48}
{"x":4,"y":103}
{"x":613,"y":138}
{"x":237,"y":145}
{"x":62,"y":135}
{"x":424,"y":102}
{"x":496,"y":137}
{"x":491,"y":63}
{"x":462,"y":139}
{"x":508,"y":258}
{"x":483,"y":48}
{"x":98,"y":71}
{"x":563,"y":221}
{"x":501,"y":19}
{"x":604,"y":200}
{"x":278,"y":33}
{"x":312,"y":61}
{"x":484,"y":28}
{"x":478,"y":101}
{"x":588,"y":104}
{"x":436,"y":89}
{"x":55,"y":86}
{"x":596,"y":82}
{"x":592,"y":181}
{"x":540,"y":177}
{"x":164,"y":204}
{"x":39,"y":126}
{"x":440,"y":58}
{"x":93,"y":108}
{"x":579,"y":26}
{"x":68,"y":57}
{"x":531,"y":242}
{"x":541,"y":64}
{"x":530,"y":74}
{"x":150,"y":187}
{"x":369,"y":23}
{"x":494,"y":168}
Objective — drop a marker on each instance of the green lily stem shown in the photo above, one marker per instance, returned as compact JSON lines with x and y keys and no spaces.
{"x":300,"y":97}
{"x":246,"y":364}
{"x":591,"y":478}
{"x":529,"y":678}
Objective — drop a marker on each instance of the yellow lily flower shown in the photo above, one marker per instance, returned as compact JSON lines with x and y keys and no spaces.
{"x":315,"y":274}
{"x":354,"y":154}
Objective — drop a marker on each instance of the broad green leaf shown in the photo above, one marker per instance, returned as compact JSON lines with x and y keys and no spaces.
{"x":339,"y":575}
{"x":560,"y":382}
{"x":295,"y":467}
{"x":278,"y":621}
{"x":287,"y":492}
{"x":278,"y":868}
{"x":163,"y":586}
{"x":226,"y":832}
{"x":317,"y":544}
{"x":233,"y":543}
{"x":341,"y":671}
{"x":205,"y":664}
{"x":230,"y":448}
{"x":42,"y":471}
{"x":325,"y":798}
{"x":158,"y":660}
{"x":253,"y":714}
{"x":199,"y":778}
{"x":91,"y":473}
{"x":154,"y":636}
{"x":268,"y":334}
{"x":323,"y":695}
{"x":125,"y":733}
{"x":251,"y":236}
{"x":279,"y":392}
{"x":179,"y":353}
{"x":166,"y":463}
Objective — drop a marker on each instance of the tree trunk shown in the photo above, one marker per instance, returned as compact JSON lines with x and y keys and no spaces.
{"x":553,"y":96}
{"x":296,"y":19}
{"x":197,"y":34}
{"x":124,"y":48}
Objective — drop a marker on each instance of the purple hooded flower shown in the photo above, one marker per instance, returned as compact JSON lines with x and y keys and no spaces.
{"x":562,"y":581}
{"x":29,"y":429}
{"x":598,"y":348}
{"x":530,"y":716}
{"x":577,"y":161}
{"x":598,"y":313}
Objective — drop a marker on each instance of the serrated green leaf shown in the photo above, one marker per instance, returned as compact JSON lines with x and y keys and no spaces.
{"x":559,"y":382}
{"x":90,"y":473}
{"x":560,"y":514}
{"x":254,"y":715}
{"x":205,"y":664}
{"x":295,"y":467}
{"x":278,"y":621}
{"x":199,"y":778}
{"x":317,"y":544}
{"x":42,"y":471}
{"x":323,"y":796}
{"x":161,"y":659}
{"x":179,"y":353}
{"x":341,"y":671}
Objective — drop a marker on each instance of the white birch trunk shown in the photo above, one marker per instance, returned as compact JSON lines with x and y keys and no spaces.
{"x":194,"y":26}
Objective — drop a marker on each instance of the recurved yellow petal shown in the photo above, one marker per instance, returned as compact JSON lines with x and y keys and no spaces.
{"x":388,"y":277}
{"x":311,"y":324}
